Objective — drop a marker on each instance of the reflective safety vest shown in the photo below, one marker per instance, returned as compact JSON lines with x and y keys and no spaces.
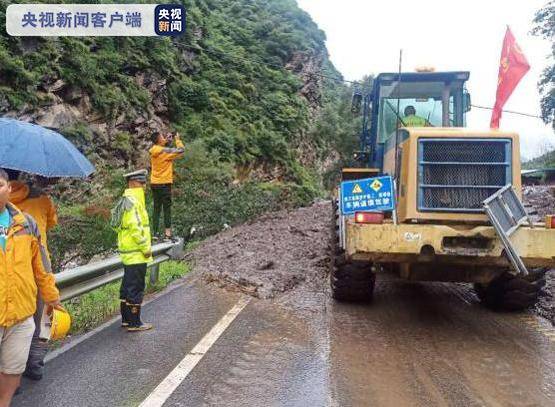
{"x":415,"y":121}
{"x":134,"y":233}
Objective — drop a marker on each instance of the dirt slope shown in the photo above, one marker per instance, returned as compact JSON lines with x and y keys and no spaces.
{"x":540,"y":201}
{"x":270,"y":255}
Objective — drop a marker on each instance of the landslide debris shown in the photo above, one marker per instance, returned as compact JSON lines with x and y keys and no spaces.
{"x":270,"y":255}
{"x":546,"y":306}
{"x":539,"y":201}
{"x":287,"y":249}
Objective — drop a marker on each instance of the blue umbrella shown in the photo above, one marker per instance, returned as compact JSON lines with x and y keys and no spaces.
{"x":34,"y":149}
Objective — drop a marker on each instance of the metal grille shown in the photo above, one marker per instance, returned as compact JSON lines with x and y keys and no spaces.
{"x":472,"y":175}
{"x":459,"y":174}
{"x":464,"y":151}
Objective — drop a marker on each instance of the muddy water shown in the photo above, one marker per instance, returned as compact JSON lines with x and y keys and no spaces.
{"x":433,"y":344}
{"x":416,"y":345}
{"x":428,"y":344}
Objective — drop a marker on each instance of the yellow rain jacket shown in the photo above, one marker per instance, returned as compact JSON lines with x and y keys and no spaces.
{"x":161,"y":162}
{"x":134,"y":232}
{"x":36,"y":204}
{"x":24,"y":269}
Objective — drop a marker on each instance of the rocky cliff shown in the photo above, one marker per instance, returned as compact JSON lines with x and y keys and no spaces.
{"x":246,"y":81}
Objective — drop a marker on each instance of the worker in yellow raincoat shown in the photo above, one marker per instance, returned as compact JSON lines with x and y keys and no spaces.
{"x":33,"y":201}
{"x":24,"y":271}
{"x":162,"y":156}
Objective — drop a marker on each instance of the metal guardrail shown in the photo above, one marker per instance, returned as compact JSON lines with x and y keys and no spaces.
{"x":80,"y":280}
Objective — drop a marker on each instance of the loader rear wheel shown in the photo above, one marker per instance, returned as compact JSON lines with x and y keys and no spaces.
{"x":512,"y":293}
{"x":353,"y":282}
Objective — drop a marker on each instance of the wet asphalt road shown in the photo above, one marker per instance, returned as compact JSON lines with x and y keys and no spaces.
{"x":415,"y":345}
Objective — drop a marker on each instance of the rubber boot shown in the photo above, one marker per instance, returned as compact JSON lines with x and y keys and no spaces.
{"x":34,"y":369}
{"x":135,"y":323}
{"x":35,"y":360}
{"x":124,"y":310}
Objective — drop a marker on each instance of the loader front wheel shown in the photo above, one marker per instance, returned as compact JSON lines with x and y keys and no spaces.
{"x":512,"y":293}
{"x":349,"y":281}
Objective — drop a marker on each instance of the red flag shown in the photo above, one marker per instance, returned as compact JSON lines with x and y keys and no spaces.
{"x":512,"y":68}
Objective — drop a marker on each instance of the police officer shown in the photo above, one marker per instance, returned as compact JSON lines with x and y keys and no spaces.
{"x":134,"y":245}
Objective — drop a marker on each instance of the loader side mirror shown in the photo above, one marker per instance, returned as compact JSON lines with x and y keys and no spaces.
{"x":356,"y":102}
{"x":467,"y":102}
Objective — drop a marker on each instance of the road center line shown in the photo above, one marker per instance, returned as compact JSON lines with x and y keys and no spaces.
{"x":166,"y":388}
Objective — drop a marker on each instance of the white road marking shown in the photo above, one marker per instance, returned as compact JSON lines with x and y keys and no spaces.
{"x":165,"y":389}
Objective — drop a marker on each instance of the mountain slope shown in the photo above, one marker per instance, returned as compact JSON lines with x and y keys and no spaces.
{"x":248,"y":87}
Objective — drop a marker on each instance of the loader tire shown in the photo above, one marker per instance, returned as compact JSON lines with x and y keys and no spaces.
{"x":349,"y":282}
{"x":512,"y":293}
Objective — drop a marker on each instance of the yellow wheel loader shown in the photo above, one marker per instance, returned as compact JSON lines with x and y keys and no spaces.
{"x":441,"y":173}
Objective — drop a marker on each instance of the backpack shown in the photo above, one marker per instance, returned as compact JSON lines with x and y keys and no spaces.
{"x":117,"y":212}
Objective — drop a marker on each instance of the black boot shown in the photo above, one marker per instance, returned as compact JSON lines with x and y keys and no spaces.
{"x":135,"y":323}
{"x":35,"y":360}
{"x":124,"y":310}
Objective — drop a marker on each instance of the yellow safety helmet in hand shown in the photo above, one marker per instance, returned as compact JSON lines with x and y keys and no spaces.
{"x":54,"y":324}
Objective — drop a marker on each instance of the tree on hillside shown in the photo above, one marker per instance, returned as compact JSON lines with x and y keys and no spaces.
{"x":544,"y":25}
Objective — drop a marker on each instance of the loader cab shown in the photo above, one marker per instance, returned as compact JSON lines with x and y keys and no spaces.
{"x":438,"y":99}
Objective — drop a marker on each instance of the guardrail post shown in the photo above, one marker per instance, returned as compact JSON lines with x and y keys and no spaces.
{"x":154,"y":272}
{"x":176,"y":252}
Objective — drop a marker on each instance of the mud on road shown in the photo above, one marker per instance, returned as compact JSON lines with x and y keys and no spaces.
{"x":539,"y":201}
{"x":275,"y":253}
{"x":289,"y":250}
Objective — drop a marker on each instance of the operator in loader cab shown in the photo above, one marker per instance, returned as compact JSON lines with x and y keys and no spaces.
{"x":412,"y":120}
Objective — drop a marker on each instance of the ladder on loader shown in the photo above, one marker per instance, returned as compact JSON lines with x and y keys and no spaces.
{"x":507,"y":214}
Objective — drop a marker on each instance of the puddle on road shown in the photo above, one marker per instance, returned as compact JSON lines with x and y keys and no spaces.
{"x":422,"y":345}
{"x":280,"y":359}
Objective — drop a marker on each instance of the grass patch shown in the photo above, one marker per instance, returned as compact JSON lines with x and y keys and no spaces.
{"x":90,"y":310}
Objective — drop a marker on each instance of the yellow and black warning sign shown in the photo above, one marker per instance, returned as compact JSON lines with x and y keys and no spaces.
{"x":376,"y":185}
{"x":357,"y":189}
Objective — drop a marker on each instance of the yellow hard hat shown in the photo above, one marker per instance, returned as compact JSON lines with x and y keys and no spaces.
{"x":55,"y":323}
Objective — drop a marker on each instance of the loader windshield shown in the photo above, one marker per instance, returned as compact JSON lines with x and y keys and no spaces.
{"x":424,"y":101}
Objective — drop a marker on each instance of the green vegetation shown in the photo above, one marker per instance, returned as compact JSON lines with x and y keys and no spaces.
{"x":226,"y":79}
{"x":545,"y":27}
{"x":244,"y":87}
{"x":83,"y":233}
{"x":92,"y":309}
{"x":546,"y":160}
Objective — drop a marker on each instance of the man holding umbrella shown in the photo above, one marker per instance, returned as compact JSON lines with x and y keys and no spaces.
{"x":33,"y":149}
